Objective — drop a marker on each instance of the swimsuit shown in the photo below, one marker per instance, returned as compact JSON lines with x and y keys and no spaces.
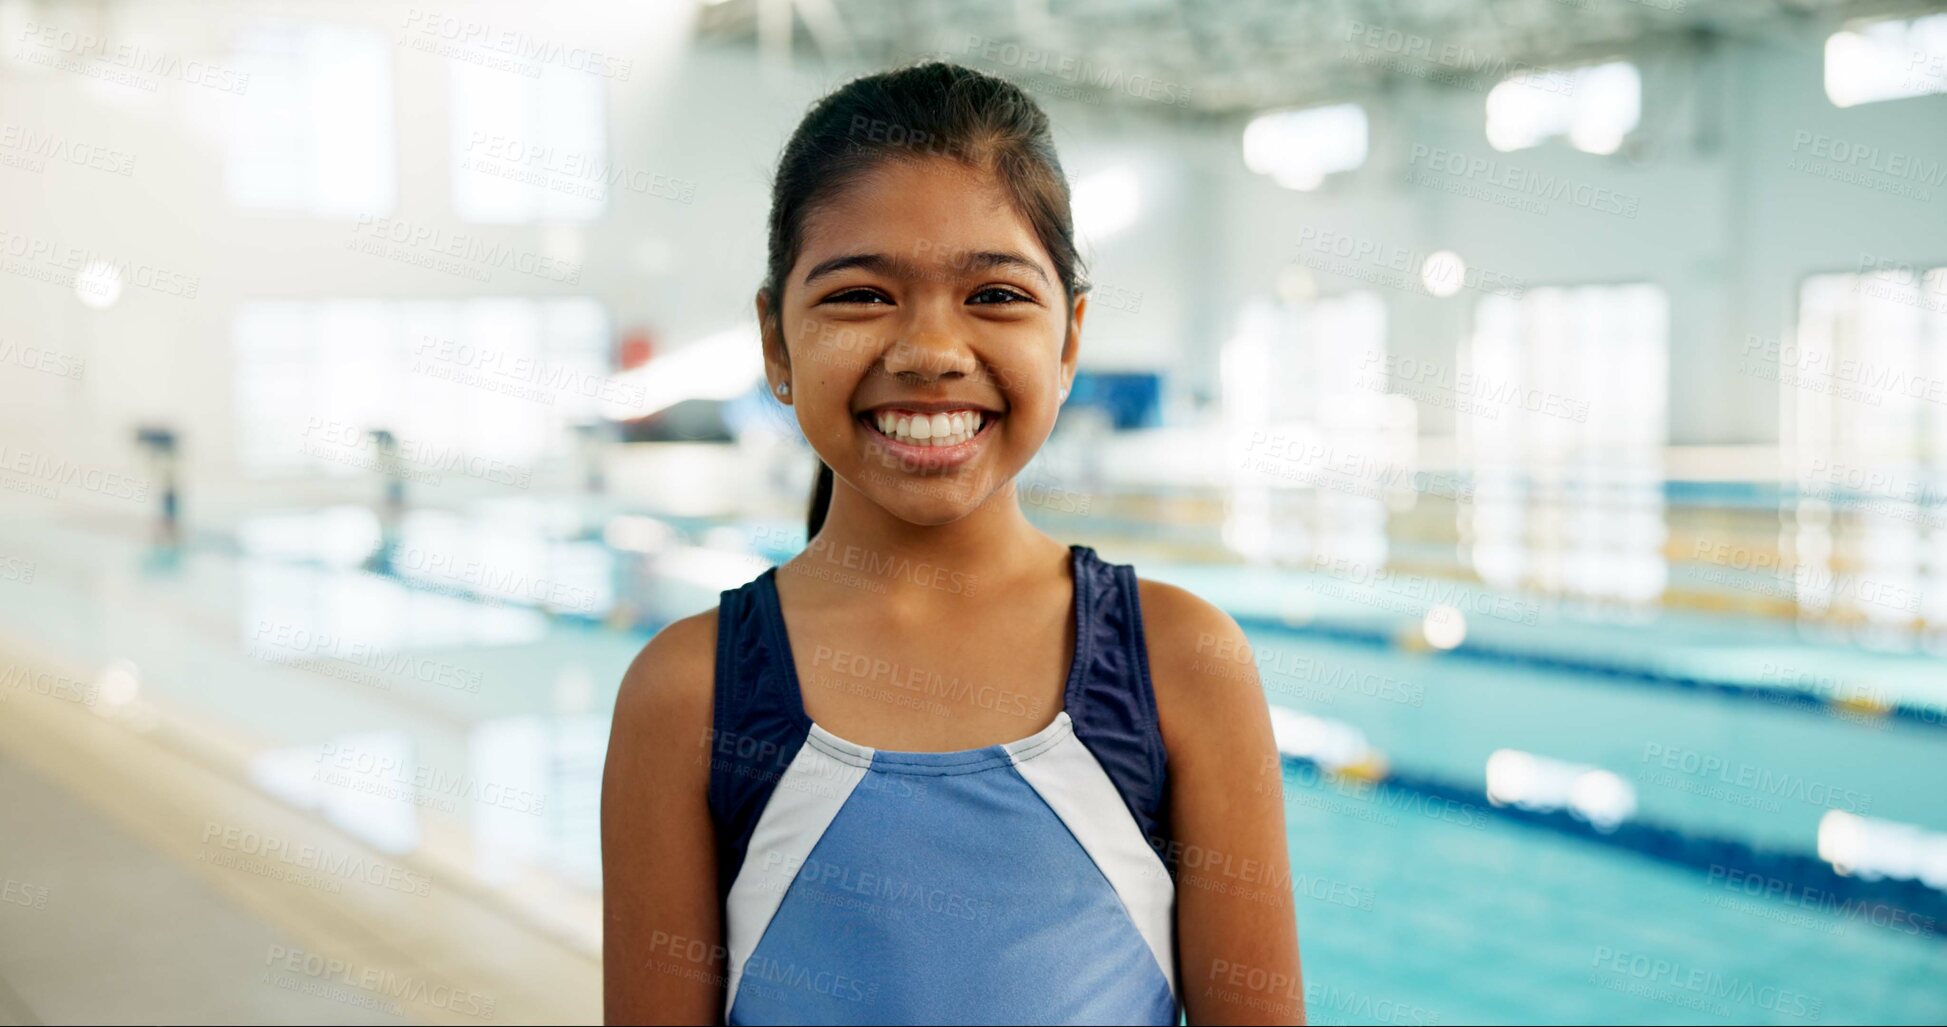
{"x":1028,"y":882}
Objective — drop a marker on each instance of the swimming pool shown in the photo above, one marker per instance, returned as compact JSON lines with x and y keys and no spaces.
{"x":406,"y":710}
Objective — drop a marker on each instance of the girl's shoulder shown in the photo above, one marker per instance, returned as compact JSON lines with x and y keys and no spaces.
{"x":1200,"y":666}
{"x":671,"y":683}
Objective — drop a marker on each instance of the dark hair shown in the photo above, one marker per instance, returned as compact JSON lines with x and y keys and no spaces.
{"x":925,"y":110}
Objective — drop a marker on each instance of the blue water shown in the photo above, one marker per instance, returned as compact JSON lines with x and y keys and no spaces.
{"x":1408,"y":913}
{"x":1491,"y":923}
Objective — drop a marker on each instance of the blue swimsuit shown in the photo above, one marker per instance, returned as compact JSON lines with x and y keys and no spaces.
{"x":1019,"y":883}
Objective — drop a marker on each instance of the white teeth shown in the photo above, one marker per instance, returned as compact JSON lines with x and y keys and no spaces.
{"x":942,"y":429}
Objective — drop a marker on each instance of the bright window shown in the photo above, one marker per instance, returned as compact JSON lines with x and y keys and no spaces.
{"x":1887,"y":60}
{"x":529,"y":149}
{"x":1863,"y":391}
{"x":1596,"y":106}
{"x":503,"y":379}
{"x":1107,"y":202}
{"x":1299,"y":148}
{"x":1561,"y":406}
{"x":314,"y":133}
{"x":1318,"y":450}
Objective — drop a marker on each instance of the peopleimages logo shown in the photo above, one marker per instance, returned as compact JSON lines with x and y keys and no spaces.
{"x":381,"y":982}
{"x":339,"y":866}
{"x":527,"y":369}
{"x":34,"y":253}
{"x":20,"y":893}
{"x":38,"y":358}
{"x":122,"y":62}
{"x":49,"y":684}
{"x":429,"y":241}
{"x":1819,"y":363}
{"x":575,"y":173}
{"x":47,"y":473}
{"x":1386,"y":369}
{"x":1462,"y":59}
{"x":1388,"y":264}
{"x":1516,"y":179}
{"x":353,"y":444}
{"x":13,"y":568}
{"x":1077,"y":70}
{"x":387,"y":776}
{"x":295,"y":644}
{"x":885,"y":565}
{"x":1762,"y":780}
{"x":1701,"y":983}
{"x":36,"y":148}
{"x":431,"y":27}
{"x":1868,"y":157}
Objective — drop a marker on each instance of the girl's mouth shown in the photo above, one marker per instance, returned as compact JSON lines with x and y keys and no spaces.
{"x":923,"y":441}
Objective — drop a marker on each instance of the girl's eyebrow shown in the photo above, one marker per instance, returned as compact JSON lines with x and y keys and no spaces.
{"x":898,"y":267}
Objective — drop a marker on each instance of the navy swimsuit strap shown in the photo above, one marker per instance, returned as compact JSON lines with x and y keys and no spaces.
{"x":1111,"y":699}
{"x":759,"y":723}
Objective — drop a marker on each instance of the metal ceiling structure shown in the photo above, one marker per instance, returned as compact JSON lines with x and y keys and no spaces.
{"x":1219,"y":57}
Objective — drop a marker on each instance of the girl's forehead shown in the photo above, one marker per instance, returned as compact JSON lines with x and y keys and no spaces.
{"x":920,"y":209}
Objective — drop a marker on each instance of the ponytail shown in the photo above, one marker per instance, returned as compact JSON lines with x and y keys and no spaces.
{"x":821,"y":503}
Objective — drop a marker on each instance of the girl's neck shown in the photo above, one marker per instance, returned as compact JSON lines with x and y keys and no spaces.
{"x":995,"y":542}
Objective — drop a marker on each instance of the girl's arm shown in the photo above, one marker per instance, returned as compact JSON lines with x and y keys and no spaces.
{"x":662,"y":931}
{"x":1236,"y":929}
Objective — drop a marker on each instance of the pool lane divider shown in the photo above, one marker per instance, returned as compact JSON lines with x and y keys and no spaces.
{"x":623,"y":616}
{"x":1768,"y":695}
{"x":1790,"y":880}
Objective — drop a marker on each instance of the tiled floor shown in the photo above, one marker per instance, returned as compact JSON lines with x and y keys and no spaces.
{"x":139,"y":888}
{"x":101,"y":929}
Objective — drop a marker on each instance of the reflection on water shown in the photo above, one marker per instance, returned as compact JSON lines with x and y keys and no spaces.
{"x":517,"y":554}
{"x":504,"y":798}
{"x":299,"y":613}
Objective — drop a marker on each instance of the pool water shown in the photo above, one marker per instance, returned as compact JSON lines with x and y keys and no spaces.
{"x":429,"y":714}
{"x":1414,"y":917}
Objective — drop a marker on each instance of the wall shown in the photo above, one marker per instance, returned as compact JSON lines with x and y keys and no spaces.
{"x":1723,"y":221}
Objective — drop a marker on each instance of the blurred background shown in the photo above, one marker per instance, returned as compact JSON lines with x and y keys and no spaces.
{"x":1555,"y":391}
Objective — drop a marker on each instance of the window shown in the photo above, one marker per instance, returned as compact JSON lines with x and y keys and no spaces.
{"x":1863,"y":397}
{"x":1561,"y":406}
{"x":1299,"y":148}
{"x":498,"y":379}
{"x":1107,"y":202}
{"x":529,"y":149}
{"x":1887,"y":60}
{"x":314,"y":133}
{"x":1320,"y":450}
{"x":1596,"y":106}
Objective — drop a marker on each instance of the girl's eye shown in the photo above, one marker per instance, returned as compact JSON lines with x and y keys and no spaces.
{"x":860,"y":295}
{"x":998,"y":294}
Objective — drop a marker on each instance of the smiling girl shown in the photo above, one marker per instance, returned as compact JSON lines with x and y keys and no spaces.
{"x":940,"y":767}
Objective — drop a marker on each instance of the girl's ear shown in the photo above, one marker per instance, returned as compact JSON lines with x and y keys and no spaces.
{"x":1071,"y":348}
{"x":777,"y":358}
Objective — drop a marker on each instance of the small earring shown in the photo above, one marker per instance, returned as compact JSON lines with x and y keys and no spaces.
{"x":784,"y":388}
{"x":1064,"y":392}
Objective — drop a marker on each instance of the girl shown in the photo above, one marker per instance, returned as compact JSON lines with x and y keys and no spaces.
{"x":939,"y":767}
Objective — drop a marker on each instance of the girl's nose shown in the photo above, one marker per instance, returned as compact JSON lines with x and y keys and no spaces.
{"x":929,"y":353}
